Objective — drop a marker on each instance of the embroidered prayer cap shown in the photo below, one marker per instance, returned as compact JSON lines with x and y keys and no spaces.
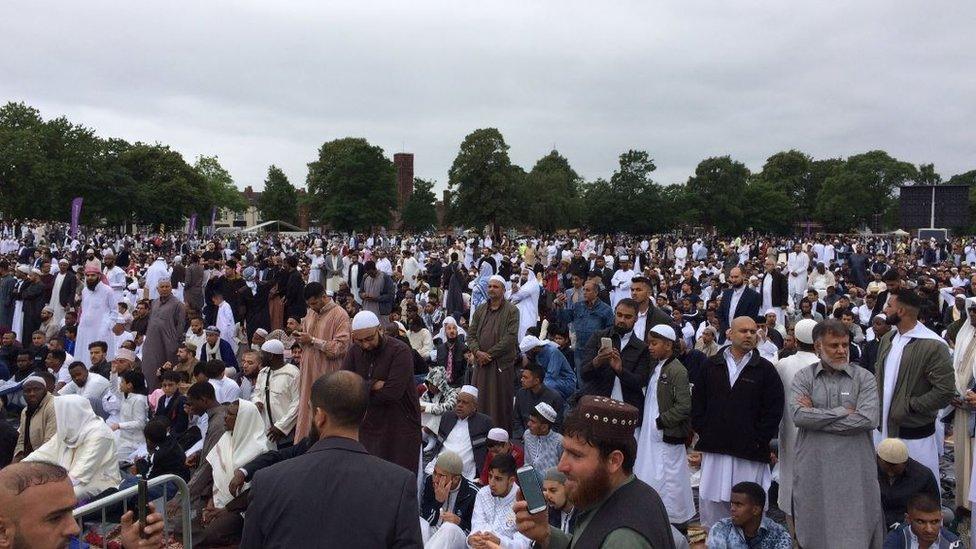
{"x":261,"y":332}
{"x":365,"y":319}
{"x":663,"y":331}
{"x":804,"y":330}
{"x":893,"y":450}
{"x":609,"y":418}
{"x":497,"y":278}
{"x":545,"y":411}
{"x":470,"y":390}
{"x":212,"y":330}
{"x":273,"y":346}
{"x":125,"y":354}
{"x":498,"y":434}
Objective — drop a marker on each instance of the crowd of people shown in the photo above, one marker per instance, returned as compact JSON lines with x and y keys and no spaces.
{"x":391,"y":390}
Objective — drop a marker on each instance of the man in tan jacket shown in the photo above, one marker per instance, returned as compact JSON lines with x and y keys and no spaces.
{"x":37,"y":423}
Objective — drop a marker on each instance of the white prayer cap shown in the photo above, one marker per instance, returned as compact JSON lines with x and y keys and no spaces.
{"x":546,"y":411}
{"x":365,"y":319}
{"x":893,"y":450}
{"x":134,"y":287}
{"x":498,"y":435}
{"x":624,"y":258}
{"x":497,"y":279}
{"x":471,"y":390}
{"x":125,"y":354}
{"x":108,"y":253}
{"x":63,"y":260}
{"x":400,"y":326}
{"x":882,"y":316}
{"x":769,"y":311}
{"x":528,"y":343}
{"x":664,"y":331}
{"x":261,"y":332}
{"x":36,"y":271}
{"x":34,"y":379}
{"x":804,"y":330}
{"x":273,"y":346}
{"x":47,"y":309}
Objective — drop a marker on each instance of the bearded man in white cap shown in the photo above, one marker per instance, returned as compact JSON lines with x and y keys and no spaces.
{"x":620,"y":283}
{"x":787,"y":369}
{"x":391,"y":429}
{"x":276,"y":393}
{"x":63,"y":291}
{"x":113,"y":273}
{"x":543,"y":445}
{"x":465,"y":432}
{"x":98,"y":304}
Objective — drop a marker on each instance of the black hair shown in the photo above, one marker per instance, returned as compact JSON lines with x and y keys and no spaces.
{"x":59,"y":354}
{"x":753,"y":491}
{"x":628,"y":302}
{"x":923,"y":502}
{"x":503,"y":463}
{"x":578,"y":427}
{"x":155,"y":430}
{"x":891,"y":275}
{"x":343,"y":396}
{"x":136,"y":379}
{"x":213,"y":368}
{"x":76,"y":364}
{"x":100,"y":344}
{"x":313,"y":289}
{"x":201,"y":391}
{"x":559,"y":329}
{"x":170,"y":375}
{"x":908,"y":298}
{"x":536,"y":369}
{"x":25,"y":474}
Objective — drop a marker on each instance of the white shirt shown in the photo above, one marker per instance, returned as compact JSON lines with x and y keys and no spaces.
{"x":493,"y":514}
{"x":892,"y":366}
{"x":225,"y":323}
{"x":94,"y":389}
{"x":459,"y":442}
{"x":735,"y":366}
{"x":734,"y":302}
{"x":617,"y":393}
{"x":284,"y":393}
{"x":227,"y":389}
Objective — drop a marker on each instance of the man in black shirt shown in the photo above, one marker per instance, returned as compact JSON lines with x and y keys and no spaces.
{"x":901,"y":477}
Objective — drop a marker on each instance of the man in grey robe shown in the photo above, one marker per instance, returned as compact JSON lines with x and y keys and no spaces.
{"x":166,"y":325}
{"x":835,"y":405}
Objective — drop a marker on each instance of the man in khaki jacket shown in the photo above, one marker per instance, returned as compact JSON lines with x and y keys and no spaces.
{"x":37,"y":423}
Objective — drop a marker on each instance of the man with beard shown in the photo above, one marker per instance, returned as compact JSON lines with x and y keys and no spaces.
{"x":775,"y":290}
{"x":114,"y":274}
{"x":621,"y":281}
{"x":32,"y":295}
{"x":450,"y":353}
{"x":97,"y":308}
{"x":619,"y":371}
{"x":493,"y":342}
{"x":63,"y":292}
{"x":835,"y":406}
{"x":736,"y":407}
{"x":255,"y":299}
{"x":614,"y":508}
{"x":166,"y":317}
{"x":37,"y":421}
{"x":648,"y":314}
{"x":276,"y":393}
{"x":561,"y":510}
{"x":916,"y":379}
{"x":391,"y":429}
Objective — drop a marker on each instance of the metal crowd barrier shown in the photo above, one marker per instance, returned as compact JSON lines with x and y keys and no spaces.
{"x":124,"y":496}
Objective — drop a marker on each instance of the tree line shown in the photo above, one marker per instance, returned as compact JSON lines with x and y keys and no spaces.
{"x":351,"y":185}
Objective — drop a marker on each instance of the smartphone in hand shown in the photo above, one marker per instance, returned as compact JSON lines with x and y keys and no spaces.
{"x":143,"y":505}
{"x":606,"y":343}
{"x":531,"y":487}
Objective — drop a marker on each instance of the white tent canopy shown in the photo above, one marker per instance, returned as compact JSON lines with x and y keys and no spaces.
{"x":277,"y":227}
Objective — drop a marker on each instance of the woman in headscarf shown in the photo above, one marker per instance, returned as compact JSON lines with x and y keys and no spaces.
{"x":438,"y":399}
{"x":479,"y":287}
{"x":243,"y":440}
{"x":450,"y":352}
{"x":84,"y":445}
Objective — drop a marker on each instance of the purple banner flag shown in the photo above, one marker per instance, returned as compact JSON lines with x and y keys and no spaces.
{"x":75,"y":215}
{"x":193,"y":225}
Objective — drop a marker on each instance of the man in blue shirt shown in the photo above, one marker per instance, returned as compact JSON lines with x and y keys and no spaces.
{"x":748,"y":528}
{"x":588,"y":317}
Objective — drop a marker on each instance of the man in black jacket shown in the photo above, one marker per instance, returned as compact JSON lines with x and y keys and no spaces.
{"x":739,"y":300}
{"x":364,"y":501}
{"x":448,"y":497}
{"x":870,"y":353}
{"x":774,"y":290}
{"x":621,"y":370}
{"x":736,"y":407}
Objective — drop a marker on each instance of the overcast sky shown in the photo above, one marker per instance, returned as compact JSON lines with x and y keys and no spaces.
{"x":267,"y":82}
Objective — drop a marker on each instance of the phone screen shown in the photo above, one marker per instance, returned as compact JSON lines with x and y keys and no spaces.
{"x":531,"y":487}
{"x":606,"y":343}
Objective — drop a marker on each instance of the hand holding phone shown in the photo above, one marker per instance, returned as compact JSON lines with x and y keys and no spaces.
{"x":143,"y":505}
{"x":531,"y":487}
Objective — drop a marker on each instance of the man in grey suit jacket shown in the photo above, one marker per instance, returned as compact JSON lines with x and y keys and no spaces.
{"x":336,"y":494}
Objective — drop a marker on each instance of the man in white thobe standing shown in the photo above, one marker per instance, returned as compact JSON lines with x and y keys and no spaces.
{"x":156,"y":272}
{"x":315,"y":262}
{"x":787,"y":369}
{"x":620,"y":283}
{"x":526,"y":298}
{"x":798,"y":263}
{"x":114,"y":274}
{"x":98,"y":306}
{"x":411,"y":269}
{"x":55,"y":303}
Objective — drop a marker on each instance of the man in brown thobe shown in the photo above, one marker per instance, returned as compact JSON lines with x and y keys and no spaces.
{"x":391,"y":429}
{"x":324,"y":339}
{"x":166,"y":325}
{"x":493,"y":339}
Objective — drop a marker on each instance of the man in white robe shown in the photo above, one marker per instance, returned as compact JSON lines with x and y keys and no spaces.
{"x":114,"y":274}
{"x":526,"y":298}
{"x":156,"y":272}
{"x":411,"y":269}
{"x":787,"y":369}
{"x":620,"y":283}
{"x":225,"y":320}
{"x":98,"y":306}
{"x":797,"y":264}
{"x":315,"y":262}
{"x":55,"y":302}
{"x":18,"y":323}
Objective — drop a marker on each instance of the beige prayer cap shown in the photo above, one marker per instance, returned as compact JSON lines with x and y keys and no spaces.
{"x":125,"y":354}
{"x":449,"y":462}
{"x":893,"y":450}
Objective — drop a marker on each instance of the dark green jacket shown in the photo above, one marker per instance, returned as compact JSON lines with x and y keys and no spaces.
{"x":926,"y":383}
{"x":673,"y":402}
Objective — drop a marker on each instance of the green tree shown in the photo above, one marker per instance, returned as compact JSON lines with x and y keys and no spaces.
{"x":867,"y":183}
{"x":553,"y":192}
{"x":483,"y":182}
{"x":791,"y":172}
{"x":166,"y":188}
{"x":768,"y":208}
{"x":219,"y":187}
{"x":927,"y":175}
{"x":629,"y":202}
{"x":677,"y":207}
{"x":420,"y":211}
{"x":279,"y":200}
{"x":352,"y":185}
{"x":967,"y":178}
{"x":842,"y":200}
{"x":598,"y":207}
{"x":718,"y":188}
